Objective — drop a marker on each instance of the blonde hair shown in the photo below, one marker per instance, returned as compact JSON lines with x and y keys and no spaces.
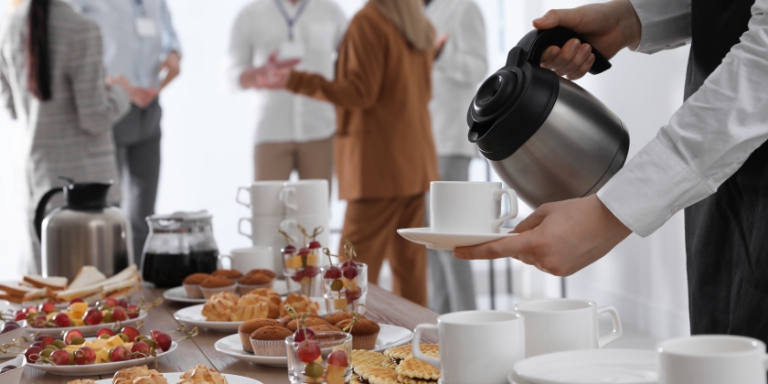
{"x":408,"y":16}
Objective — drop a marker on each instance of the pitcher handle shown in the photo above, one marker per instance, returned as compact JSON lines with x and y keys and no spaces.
{"x":40,"y":211}
{"x":416,"y":345}
{"x":240,"y":227}
{"x":237,"y":197}
{"x":497,"y":195}
{"x":616,"y":332}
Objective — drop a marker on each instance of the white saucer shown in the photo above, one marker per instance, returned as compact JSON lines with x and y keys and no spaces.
{"x":616,"y":366}
{"x":175,"y":376}
{"x":448,"y":241}
{"x":389,"y":336}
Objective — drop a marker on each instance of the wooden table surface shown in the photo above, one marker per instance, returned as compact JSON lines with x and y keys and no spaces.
{"x":382,"y":307}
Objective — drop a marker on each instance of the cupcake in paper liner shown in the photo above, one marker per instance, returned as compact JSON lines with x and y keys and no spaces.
{"x":249,"y":327}
{"x":217,"y":284}
{"x":253,"y":281}
{"x":192,"y":285}
{"x":364,"y":332}
{"x":270,"y":341}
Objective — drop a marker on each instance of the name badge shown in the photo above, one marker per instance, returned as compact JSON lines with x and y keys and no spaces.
{"x":291,"y":50}
{"x":146,"y":27}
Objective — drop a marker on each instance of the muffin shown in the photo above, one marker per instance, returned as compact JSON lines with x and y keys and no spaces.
{"x":270,"y":341}
{"x":217,"y":284}
{"x":287,"y":319}
{"x":302,"y":304}
{"x":267,"y":272}
{"x":274,"y":300}
{"x":220,"y":307}
{"x":293,"y":325}
{"x":251,"y":307}
{"x":250,"y":326}
{"x":192,"y":285}
{"x":232,"y":274}
{"x":249,"y":282}
{"x":334,"y":318}
{"x":364,"y":333}
{"x":325,"y":328}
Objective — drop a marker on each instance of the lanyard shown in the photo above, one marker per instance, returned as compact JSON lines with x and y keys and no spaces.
{"x":291,"y":20}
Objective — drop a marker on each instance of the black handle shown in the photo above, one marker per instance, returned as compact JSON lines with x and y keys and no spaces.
{"x":40,"y":211}
{"x":534,"y":43}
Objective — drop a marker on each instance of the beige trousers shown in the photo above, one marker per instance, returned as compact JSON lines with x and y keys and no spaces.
{"x":312,"y":159}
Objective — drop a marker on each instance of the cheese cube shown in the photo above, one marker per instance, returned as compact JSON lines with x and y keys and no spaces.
{"x":350,"y":284}
{"x":114,"y":341}
{"x":340,"y":304}
{"x":312,"y":259}
{"x":293,"y":262}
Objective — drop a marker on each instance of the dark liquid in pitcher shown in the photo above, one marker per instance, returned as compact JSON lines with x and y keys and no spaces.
{"x":167,"y":270}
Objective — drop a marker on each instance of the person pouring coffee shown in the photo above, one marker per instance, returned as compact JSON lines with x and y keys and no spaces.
{"x":711,"y":159}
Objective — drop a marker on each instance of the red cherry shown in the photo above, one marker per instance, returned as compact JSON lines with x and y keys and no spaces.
{"x":120,"y":353}
{"x":85,"y":356}
{"x":314,"y":244}
{"x":332,"y":273}
{"x":338,"y":358}
{"x":141,"y":349}
{"x":105,"y":331}
{"x":93,"y":317}
{"x":40,"y":321}
{"x":61,"y":357}
{"x":47,"y":307}
{"x":298,"y":276}
{"x":76,"y":301}
{"x":162,"y":339}
{"x":348,"y":263}
{"x":45,"y":339}
{"x":311,"y":271}
{"x":71,"y":334}
{"x":32,"y":354}
{"x":131,"y":332}
{"x":308,"y":351}
{"x":62,"y":320}
{"x":289,"y":249}
{"x":19,"y":315}
{"x":119,"y":314}
{"x":303,"y":251}
{"x":350,"y":273}
{"x":133,"y":311}
{"x":303,"y":333}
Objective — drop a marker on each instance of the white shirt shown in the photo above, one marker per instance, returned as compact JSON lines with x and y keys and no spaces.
{"x":457,"y":72}
{"x":259,"y":29}
{"x":709,"y":137}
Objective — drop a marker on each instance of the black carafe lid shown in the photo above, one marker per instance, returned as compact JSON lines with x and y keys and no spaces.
{"x":514,"y":102}
{"x":87,"y":196}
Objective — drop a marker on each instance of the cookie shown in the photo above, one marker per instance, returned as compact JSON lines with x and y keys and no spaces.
{"x":388,"y":363}
{"x":407,"y":380}
{"x":362,"y":358}
{"x":378,"y":375}
{"x":412,"y":368}
{"x":404,"y":351}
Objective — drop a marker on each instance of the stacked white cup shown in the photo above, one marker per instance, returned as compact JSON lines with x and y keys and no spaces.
{"x":284,"y":205}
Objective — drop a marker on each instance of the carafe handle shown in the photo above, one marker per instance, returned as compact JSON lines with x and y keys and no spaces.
{"x":533,"y":45}
{"x":40,"y":211}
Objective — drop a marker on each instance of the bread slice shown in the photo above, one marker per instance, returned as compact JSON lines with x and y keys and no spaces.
{"x":122,"y":288}
{"x":15,"y":290}
{"x":52,"y":282}
{"x":79,"y":293}
{"x":87,"y":277}
{"x":126,"y":274}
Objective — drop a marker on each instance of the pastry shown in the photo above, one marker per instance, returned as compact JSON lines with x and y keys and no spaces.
{"x":220,"y":307}
{"x":192,"y":284}
{"x":232,"y":274}
{"x":81,"y":381}
{"x":217,"y":284}
{"x":201,"y":374}
{"x":414,"y":371}
{"x":364,"y":332}
{"x":293,"y":325}
{"x":251,"y":307}
{"x":138,"y":375}
{"x":267,"y":272}
{"x":400,"y":353}
{"x":300,"y":303}
{"x":270,"y":341}
{"x":248,"y":327}
{"x":334,"y":318}
{"x":273,"y":299}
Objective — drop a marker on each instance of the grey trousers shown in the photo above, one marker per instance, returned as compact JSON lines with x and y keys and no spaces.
{"x":451,"y":285}
{"x":137,"y":137}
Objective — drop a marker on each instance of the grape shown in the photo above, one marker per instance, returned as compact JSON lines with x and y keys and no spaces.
{"x":133,"y":311}
{"x":141,"y":349}
{"x":110,"y":302}
{"x":47,"y":307}
{"x":19,"y":315}
{"x":85,"y":356}
{"x":62,"y":320}
{"x":131,"y":332}
{"x":162,"y":339}
{"x":39,"y":321}
{"x":298,"y":276}
{"x":7,"y":368}
{"x":77,"y":341}
{"x":350,"y":273}
{"x":308,"y":351}
{"x":303,"y":333}
{"x":311,"y":271}
{"x":105,"y":331}
{"x":71,"y":334}
{"x":45,"y":339}
{"x":60,"y":357}
{"x":32,"y":354}
{"x":313,"y":370}
{"x":38,"y":344}
{"x":120,"y":353}
{"x":304,"y":252}
{"x":93,"y":317}
{"x":76,"y":301}
{"x":314,"y":244}
{"x":332,"y":273}
{"x":338,"y":358}
{"x":10,"y":326}
{"x":289,"y":250}
{"x":119,"y":314}
{"x":348,"y":263}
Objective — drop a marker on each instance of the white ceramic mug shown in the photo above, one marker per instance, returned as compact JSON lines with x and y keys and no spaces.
{"x":306,"y":197}
{"x":469,"y":207}
{"x":264,"y":197}
{"x":712,"y":359}
{"x":246,"y":259}
{"x":556,"y":325}
{"x":475,"y":346}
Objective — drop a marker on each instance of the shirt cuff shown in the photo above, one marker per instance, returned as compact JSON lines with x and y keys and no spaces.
{"x":665,"y":24}
{"x":651,"y":188}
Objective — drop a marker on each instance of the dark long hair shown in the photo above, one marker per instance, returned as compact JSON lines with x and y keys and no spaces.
{"x":38,"y":52}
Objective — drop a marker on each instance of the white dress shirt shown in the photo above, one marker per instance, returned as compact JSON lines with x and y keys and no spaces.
{"x":261,"y":28}
{"x":457,"y":72}
{"x":709,"y":137}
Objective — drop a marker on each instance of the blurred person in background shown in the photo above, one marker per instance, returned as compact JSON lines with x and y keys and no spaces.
{"x":456,"y":74}
{"x":385,"y":155}
{"x":141,"y":44}
{"x":293,"y":132}
{"x":52,"y":80}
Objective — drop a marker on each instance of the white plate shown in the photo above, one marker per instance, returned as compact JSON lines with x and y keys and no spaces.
{"x":13,"y":376}
{"x":101,"y":368}
{"x":616,"y":366}
{"x":389,"y":336}
{"x":179,"y":294}
{"x":87,"y":330}
{"x":449,"y":241}
{"x":176,"y":376}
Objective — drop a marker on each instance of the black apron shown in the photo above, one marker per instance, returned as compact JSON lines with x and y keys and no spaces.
{"x":726,"y":234}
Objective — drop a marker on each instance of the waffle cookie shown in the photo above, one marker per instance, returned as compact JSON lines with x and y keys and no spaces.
{"x":378,"y":375}
{"x":364,"y":358}
{"x":398,"y":354}
{"x":414,"y":371}
{"x":388,"y":363}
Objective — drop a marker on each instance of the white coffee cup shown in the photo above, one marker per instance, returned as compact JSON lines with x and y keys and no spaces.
{"x":475,"y":346}
{"x":246,"y":259}
{"x":712,"y":359}
{"x":306,"y":197}
{"x":264,"y":197}
{"x":469,"y":207}
{"x":556,"y":325}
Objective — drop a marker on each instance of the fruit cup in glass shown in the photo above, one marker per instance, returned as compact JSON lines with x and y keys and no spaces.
{"x":301,"y":271}
{"x":345,"y":286}
{"x":326,"y":358}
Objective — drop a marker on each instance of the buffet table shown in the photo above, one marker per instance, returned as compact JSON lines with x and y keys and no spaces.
{"x":382,"y":307}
